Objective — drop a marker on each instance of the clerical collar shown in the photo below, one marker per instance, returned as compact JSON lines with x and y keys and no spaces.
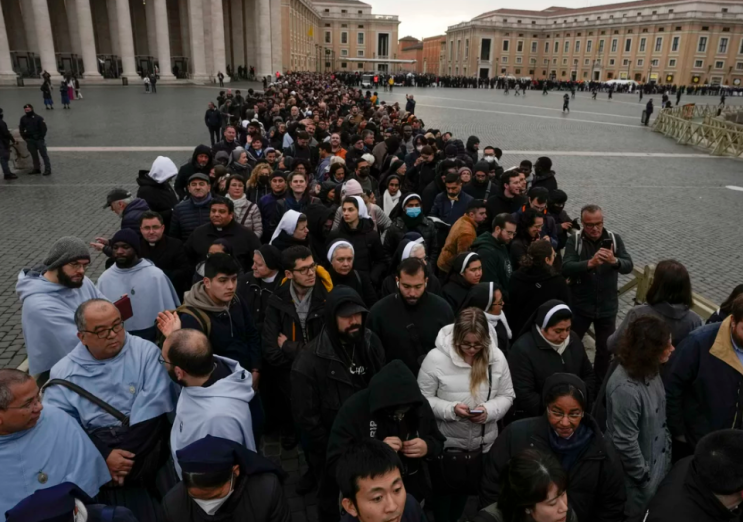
{"x":151,"y":244}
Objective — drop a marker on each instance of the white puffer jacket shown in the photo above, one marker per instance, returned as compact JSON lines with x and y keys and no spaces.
{"x":444,"y":379}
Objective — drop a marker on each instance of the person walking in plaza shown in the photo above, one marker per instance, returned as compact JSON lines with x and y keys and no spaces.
{"x":566,"y":102}
{"x":648,"y":111}
{"x":6,"y":141}
{"x":76,"y":84}
{"x":213,"y":121}
{"x":678,"y":96}
{"x":64,"y":93}
{"x":33,"y":130}
{"x":220,"y":77}
{"x":46,"y":92}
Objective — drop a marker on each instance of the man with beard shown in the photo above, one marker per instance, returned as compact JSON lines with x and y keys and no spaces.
{"x":165,"y":252}
{"x":336,"y":147}
{"x":201,"y":162}
{"x":334,"y":366}
{"x":408,"y":321}
{"x":462,"y":234}
{"x":363,"y":174}
{"x":508,"y":198}
{"x":33,"y":130}
{"x":480,"y":186}
{"x":50,"y":293}
{"x":215,"y":395}
{"x":124,"y":371}
{"x":493,"y":250}
{"x":194,"y":211}
{"x":147,"y":288}
{"x":357,"y":150}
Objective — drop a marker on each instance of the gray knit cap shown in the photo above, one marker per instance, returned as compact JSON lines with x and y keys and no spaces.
{"x":66,"y":250}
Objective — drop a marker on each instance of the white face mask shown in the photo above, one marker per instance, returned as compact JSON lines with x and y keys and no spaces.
{"x":211,"y":506}
{"x":419,"y":148}
{"x":489,"y":159}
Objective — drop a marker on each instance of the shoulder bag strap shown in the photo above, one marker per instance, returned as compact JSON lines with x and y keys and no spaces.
{"x":487,"y":192}
{"x":92,"y":398}
{"x":490,"y":390}
{"x":247,"y":211}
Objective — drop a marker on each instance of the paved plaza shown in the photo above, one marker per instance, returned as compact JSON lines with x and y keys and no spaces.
{"x":664,"y":199}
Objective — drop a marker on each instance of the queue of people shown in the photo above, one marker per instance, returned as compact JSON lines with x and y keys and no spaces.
{"x":417,"y":330}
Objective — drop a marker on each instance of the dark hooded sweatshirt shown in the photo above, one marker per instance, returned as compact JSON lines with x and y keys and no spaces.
{"x":191,"y":168}
{"x":368,"y":413}
{"x":528,"y":289}
{"x":322,"y":376}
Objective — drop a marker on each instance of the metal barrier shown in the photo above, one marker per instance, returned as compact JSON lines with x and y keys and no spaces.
{"x":643,"y":278}
{"x":714,"y":133}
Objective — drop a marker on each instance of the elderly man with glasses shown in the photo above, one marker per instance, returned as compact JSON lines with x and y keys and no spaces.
{"x":593,"y":260}
{"x":112,"y":384}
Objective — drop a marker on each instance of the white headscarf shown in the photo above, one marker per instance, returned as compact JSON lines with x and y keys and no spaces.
{"x":163,"y":169}
{"x":408,"y":250}
{"x":288,"y":224}
{"x":339,"y":244}
{"x":363,"y":212}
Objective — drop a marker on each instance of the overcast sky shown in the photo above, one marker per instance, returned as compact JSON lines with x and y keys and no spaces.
{"x":424,"y":18}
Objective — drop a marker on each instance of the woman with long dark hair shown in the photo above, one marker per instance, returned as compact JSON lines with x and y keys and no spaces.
{"x":534,"y":488}
{"x":636,"y":411}
{"x":726,"y":307}
{"x":528,"y":230}
{"x":534,"y":283}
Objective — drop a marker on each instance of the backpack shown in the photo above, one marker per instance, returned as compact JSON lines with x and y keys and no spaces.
{"x":579,"y":243}
{"x":205,"y":322}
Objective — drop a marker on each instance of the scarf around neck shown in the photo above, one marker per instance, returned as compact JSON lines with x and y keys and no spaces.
{"x":559,"y":348}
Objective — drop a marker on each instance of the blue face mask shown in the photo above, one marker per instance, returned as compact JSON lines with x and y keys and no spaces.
{"x":413,"y":212}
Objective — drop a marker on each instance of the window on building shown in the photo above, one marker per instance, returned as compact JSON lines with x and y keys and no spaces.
{"x":360,"y":53}
{"x":567,"y":46}
{"x":612,"y":61}
{"x":577,"y":46}
{"x":739,"y":66}
{"x":451,"y":50}
{"x":614,"y":43}
{"x":554,"y":61}
{"x":601,"y":47}
{"x":459,"y":48}
{"x":327,"y":10}
{"x":485,"y":44}
{"x":564,"y":61}
{"x":467,"y":48}
{"x":505,"y":46}
{"x":344,"y":38}
{"x":328,"y":37}
{"x":640,"y":62}
{"x":719,"y":64}
{"x":698,"y":64}
{"x":518,"y":59}
{"x":546,"y":61}
{"x":360,"y":38}
{"x":589,"y":46}
{"x":654,"y":62}
{"x":557,"y":46}
{"x":344,"y":52}
{"x":670,"y":11}
{"x":546,"y":47}
{"x":625,"y":62}
{"x":740,"y":50}
{"x":564,"y":73}
{"x":504,"y":59}
{"x":586,"y":61}
{"x":628,"y":45}
{"x":361,"y":66}
{"x":705,"y":28}
{"x":361,"y":12}
{"x":575,"y":61}
{"x":675,"y":44}
{"x":533,"y":61}
{"x":643,"y":41}
{"x":534,"y":47}
{"x":344,"y":65}
{"x":658,"y":44}
{"x":361,"y":26}
{"x":672,"y":62}
{"x":702,"y":45}
{"x":722,"y":48}
{"x":520,"y":46}
{"x":344,"y":11}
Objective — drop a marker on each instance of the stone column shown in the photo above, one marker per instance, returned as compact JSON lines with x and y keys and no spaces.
{"x":220,"y":63}
{"x":277,"y":44}
{"x":238,"y":46}
{"x":126,"y":40}
{"x":74,"y":27}
{"x":29,"y":27}
{"x":113,"y":27}
{"x":87,"y":38}
{"x":149,"y":14}
{"x":263,"y":45}
{"x":249,"y":12}
{"x":44,"y":39}
{"x":196,"y":33}
{"x":7,"y":75}
{"x":163,"y":40}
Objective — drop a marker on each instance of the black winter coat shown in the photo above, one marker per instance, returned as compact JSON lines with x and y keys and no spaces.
{"x":681,"y":497}
{"x":528,"y":289}
{"x":359,"y":281}
{"x":225,"y":146}
{"x":160,"y":197}
{"x":187,"y":216}
{"x":425,"y":228}
{"x":133,"y":214}
{"x":191,"y":168}
{"x":409,"y":333}
{"x":282,"y":318}
{"x":169,"y":256}
{"x":531,"y":360}
{"x":257,"y":497}
{"x":595,"y":482}
{"x":321,"y":378}
{"x":256,"y":294}
{"x":243,"y":241}
{"x":545,"y":179}
{"x":213,"y":118}
{"x":369,"y":256}
{"x":498,"y":203}
{"x":6,"y":138}
{"x":32,"y":127}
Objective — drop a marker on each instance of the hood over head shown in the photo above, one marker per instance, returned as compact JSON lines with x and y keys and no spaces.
{"x":393,"y":385}
{"x":202,"y":149}
{"x":472,"y":141}
{"x":163,"y":169}
{"x":343,"y":297}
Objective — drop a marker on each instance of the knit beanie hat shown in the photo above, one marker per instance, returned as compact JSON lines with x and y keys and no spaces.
{"x":128,"y":236}
{"x":66,"y":250}
{"x":352,"y":188}
{"x":482,"y":166}
{"x":718,"y":460}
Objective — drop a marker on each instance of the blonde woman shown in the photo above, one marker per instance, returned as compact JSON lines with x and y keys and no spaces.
{"x":467,"y":382}
{"x":259,"y":183}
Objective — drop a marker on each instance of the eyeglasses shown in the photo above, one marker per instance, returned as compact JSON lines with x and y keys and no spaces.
{"x":78,"y":266}
{"x":307,"y":269}
{"x":559,"y":415}
{"x":593,"y":225}
{"x":29,"y":405}
{"x":162,"y":360}
{"x":465,"y":346}
{"x":103,"y":334}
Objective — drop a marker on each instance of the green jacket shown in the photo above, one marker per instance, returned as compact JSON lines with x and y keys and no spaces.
{"x":496,"y":262}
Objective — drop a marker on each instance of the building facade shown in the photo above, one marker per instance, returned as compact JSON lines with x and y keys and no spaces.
{"x":683,"y":42}
{"x":432,"y":54}
{"x":411,"y":50}
{"x":197,"y":39}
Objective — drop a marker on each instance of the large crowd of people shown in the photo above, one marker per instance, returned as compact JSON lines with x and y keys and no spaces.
{"x":389,"y":297}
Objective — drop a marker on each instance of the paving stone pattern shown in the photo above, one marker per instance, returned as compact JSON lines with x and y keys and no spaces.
{"x":661,"y":206}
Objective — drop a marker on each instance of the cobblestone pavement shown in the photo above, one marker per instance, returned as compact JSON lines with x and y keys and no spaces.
{"x":665,"y":200}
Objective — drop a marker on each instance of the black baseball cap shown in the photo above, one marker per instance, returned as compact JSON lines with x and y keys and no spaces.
{"x":116,"y":194}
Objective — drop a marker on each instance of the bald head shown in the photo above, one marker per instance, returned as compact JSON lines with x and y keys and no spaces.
{"x":92,"y":306}
{"x":10,"y":378}
{"x":190,"y":351}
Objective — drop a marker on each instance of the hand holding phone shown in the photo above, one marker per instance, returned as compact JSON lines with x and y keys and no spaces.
{"x":476,"y":412}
